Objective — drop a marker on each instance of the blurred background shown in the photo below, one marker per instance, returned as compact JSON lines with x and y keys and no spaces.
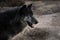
{"x":17,"y":2}
{"x":47,"y":12}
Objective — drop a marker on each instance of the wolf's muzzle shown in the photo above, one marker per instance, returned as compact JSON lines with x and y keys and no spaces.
{"x":32,"y":21}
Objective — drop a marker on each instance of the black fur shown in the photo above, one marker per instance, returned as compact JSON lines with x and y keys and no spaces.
{"x":15,"y":20}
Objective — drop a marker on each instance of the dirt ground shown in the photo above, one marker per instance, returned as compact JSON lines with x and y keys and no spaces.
{"x":48,"y":28}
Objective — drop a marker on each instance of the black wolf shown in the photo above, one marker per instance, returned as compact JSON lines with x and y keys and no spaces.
{"x":15,"y":20}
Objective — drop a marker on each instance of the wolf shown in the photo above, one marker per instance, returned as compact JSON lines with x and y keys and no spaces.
{"x":15,"y":20}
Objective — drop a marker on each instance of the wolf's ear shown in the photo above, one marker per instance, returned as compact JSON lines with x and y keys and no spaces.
{"x":23,"y":7}
{"x":30,"y":5}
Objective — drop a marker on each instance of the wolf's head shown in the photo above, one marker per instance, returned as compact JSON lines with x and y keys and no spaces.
{"x":27,"y":14}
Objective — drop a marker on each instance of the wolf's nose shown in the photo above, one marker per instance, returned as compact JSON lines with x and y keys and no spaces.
{"x":36,"y":22}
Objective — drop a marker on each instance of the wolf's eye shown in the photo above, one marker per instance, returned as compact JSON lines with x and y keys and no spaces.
{"x":29,"y":18}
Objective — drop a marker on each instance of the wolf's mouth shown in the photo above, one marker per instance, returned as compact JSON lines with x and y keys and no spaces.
{"x":30,"y":24}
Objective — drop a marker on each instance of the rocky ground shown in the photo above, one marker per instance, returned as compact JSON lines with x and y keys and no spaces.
{"x":48,"y":28}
